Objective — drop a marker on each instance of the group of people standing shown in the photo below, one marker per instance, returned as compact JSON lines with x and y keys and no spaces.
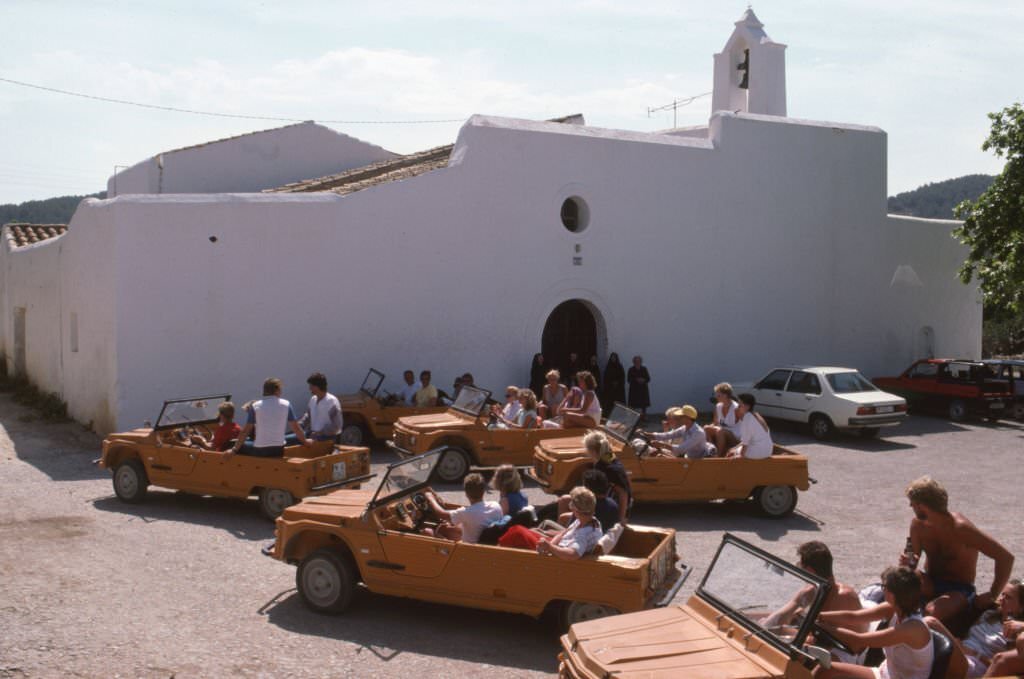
{"x":610,"y":384}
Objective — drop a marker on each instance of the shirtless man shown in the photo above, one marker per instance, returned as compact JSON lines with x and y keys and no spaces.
{"x":815,"y":557}
{"x":951,"y":543}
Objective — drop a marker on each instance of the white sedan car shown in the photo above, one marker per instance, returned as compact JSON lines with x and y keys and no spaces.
{"x":827,"y":399}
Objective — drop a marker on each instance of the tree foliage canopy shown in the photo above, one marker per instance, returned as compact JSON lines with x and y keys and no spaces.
{"x":993,"y":225}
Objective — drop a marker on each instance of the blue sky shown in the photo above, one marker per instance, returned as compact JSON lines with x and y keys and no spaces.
{"x":926,"y":72}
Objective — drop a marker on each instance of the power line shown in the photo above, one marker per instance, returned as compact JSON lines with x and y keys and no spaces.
{"x":243,"y":116}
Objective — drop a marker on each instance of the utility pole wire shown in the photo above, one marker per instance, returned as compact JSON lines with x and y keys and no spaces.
{"x":174,"y":109}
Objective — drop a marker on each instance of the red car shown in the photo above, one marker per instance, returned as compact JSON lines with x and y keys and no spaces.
{"x":956,"y":387}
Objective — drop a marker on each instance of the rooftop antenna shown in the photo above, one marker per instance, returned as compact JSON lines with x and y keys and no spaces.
{"x":675,"y":106}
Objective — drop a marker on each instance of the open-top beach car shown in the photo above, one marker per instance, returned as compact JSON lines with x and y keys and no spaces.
{"x":726,"y":630}
{"x":371,"y":413}
{"x":163,"y":455}
{"x":374,"y":538}
{"x":463,"y":431}
{"x":772,"y":483}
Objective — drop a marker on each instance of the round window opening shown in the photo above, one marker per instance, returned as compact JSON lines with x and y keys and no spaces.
{"x":575,"y":214}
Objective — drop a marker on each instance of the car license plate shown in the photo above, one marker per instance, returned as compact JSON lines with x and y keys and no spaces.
{"x":883,"y":409}
{"x":338,"y":472}
{"x":996,"y":406}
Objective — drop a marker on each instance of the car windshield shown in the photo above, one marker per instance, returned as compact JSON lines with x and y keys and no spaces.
{"x":471,"y":400}
{"x":184,"y":411}
{"x":750,"y":586}
{"x":850,"y":383}
{"x":407,"y":474}
{"x":621,"y":422}
{"x":372,"y":382}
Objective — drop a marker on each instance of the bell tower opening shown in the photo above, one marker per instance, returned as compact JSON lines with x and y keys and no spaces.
{"x":750,"y":71}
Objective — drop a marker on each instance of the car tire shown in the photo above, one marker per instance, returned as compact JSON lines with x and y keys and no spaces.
{"x":869,"y":432}
{"x":353,"y":435}
{"x":326,"y":581}
{"x":452,"y":466}
{"x":957,"y":410}
{"x":130,"y":481}
{"x":573,"y":612}
{"x":821,"y":427}
{"x":776,"y":502}
{"x":273,"y":501}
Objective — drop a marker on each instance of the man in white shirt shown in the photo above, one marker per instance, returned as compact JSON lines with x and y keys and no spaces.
{"x":323,"y":417}
{"x":466,"y":523}
{"x":755,"y":437}
{"x":408,"y":393}
{"x":270,"y":417}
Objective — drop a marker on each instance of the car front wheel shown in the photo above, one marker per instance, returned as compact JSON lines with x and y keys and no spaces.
{"x":821,"y":427}
{"x":130,"y":481}
{"x":775,"y":502}
{"x":578,"y":611}
{"x":352,"y":435}
{"x":273,"y":501}
{"x":453,"y":465}
{"x":326,"y":581}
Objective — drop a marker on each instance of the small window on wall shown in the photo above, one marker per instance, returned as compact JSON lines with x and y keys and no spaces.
{"x":575,"y":214}
{"x":73,"y":332}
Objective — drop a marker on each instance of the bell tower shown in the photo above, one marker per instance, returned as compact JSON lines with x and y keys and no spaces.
{"x":750,"y":71}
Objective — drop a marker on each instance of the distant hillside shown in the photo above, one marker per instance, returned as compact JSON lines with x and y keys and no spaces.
{"x":937,"y":200}
{"x":49,"y":211}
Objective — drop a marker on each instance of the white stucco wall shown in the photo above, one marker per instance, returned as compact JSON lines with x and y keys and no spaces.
{"x":250,"y":162}
{"x":714,"y":258}
{"x":34,"y":267}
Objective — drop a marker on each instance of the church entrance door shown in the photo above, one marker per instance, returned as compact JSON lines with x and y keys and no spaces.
{"x":571,"y":327}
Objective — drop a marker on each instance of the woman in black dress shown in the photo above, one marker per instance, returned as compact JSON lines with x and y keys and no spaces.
{"x":614,"y":390}
{"x":639,"y":392}
{"x":594,"y":369}
{"x":537,"y":372}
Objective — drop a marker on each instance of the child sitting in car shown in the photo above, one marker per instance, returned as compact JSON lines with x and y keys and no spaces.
{"x":509,"y":485}
{"x":465,"y":523}
{"x":225,"y":433}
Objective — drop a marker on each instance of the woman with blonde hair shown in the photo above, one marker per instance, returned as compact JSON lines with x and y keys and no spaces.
{"x":526,"y":415}
{"x":553,"y":394}
{"x":509,"y":485}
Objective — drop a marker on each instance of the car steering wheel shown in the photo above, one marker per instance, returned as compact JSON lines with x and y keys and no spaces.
{"x":827,"y":639}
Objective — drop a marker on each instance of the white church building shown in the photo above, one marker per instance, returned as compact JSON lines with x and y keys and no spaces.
{"x":715,"y":252}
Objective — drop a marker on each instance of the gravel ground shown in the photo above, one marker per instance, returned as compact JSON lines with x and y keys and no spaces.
{"x":93,"y":587}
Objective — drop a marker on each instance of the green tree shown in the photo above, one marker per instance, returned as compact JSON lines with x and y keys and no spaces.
{"x":993,"y":225}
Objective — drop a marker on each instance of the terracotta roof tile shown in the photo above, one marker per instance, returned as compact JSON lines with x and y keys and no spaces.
{"x":27,"y":234}
{"x":380,"y":172}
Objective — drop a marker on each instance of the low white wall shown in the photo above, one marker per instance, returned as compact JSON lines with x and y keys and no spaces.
{"x":248,"y":163}
{"x":716,"y":259}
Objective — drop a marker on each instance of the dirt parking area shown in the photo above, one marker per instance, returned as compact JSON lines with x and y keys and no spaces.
{"x":176,"y":586}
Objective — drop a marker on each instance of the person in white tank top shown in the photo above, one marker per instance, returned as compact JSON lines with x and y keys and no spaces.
{"x":270,"y":417}
{"x":589,"y":412}
{"x":907,"y":641}
{"x":723,"y":432}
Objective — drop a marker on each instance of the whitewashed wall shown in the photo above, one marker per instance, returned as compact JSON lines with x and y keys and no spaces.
{"x":716,"y":259}
{"x":250,"y":162}
{"x":34,"y":269}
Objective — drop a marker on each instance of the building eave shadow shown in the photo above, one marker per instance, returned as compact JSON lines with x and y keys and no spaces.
{"x":388,"y":627}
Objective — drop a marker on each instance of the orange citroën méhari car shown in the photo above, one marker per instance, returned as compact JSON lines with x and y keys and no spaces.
{"x":369,"y":413}
{"x":772,"y":483}
{"x":163,"y":456}
{"x":349,"y":537}
{"x":463,"y":431}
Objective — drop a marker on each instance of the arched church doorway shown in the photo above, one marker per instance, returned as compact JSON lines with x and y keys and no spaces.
{"x":571,"y":327}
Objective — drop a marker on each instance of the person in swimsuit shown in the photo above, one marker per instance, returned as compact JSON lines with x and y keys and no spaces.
{"x":588,"y":414}
{"x":552,"y":395}
{"x":907,"y":641}
{"x":951,"y":544}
